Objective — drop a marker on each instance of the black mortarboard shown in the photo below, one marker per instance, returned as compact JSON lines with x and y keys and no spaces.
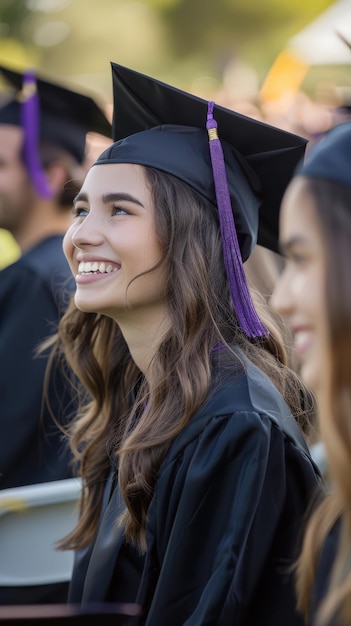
{"x":330,"y":157}
{"x":141,"y":102}
{"x":160,"y":126}
{"x":65,"y":116}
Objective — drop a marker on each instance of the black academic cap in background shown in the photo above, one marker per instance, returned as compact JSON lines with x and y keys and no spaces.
{"x":65,"y":116}
{"x":330,"y":157}
{"x":260,"y":159}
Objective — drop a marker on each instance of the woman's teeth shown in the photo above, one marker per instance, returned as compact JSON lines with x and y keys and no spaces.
{"x":93,"y":267}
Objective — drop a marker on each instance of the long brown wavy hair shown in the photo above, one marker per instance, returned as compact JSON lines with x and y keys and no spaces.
{"x":332,"y":203}
{"x":130,"y":423}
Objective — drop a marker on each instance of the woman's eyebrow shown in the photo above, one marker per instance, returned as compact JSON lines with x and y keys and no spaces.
{"x":285,"y":246}
{"x":117,"y":197}
{"x":109,"y":197}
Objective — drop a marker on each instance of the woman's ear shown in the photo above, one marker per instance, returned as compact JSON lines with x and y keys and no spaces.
{"x":57,"y":174}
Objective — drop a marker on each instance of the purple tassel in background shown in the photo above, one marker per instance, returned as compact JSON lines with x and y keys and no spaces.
{"x":30,"y":120}
{"x":239,"y":290}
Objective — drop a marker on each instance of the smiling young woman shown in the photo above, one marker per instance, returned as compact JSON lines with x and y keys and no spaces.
{"x":314,"y":295}
{"x":196,"y":475}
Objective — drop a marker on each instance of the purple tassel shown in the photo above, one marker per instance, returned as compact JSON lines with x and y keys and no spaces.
{"x":239,"y":290}
{"x":30,"y":120}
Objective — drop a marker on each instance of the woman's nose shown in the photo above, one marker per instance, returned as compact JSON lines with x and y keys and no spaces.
{"x":88,"y":232}
{"x":280,"y":299}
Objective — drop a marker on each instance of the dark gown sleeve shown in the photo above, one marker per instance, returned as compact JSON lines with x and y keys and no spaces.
{"x":31,"y":448}
{"x":224,"y":525}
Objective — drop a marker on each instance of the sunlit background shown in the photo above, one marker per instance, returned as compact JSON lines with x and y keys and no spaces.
{"x":193,"y":43}
{"x":284,"y":61}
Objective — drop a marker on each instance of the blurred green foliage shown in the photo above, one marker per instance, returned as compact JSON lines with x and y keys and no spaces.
{"x":176,"y":40}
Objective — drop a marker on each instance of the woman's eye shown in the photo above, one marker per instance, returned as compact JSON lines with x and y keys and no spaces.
{"x":298,"y":258}
{"x":79,"y":211}
{"x":118,"y":210}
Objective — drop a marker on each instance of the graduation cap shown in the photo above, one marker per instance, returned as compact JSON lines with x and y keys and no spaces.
{"x":330,"y":157}
{"x":50,"y":113}
{"x":243,"y":174}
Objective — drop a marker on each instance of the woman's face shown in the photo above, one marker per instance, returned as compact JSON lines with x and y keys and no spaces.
{"x":299,"y":292}
{"x":112,"y":240}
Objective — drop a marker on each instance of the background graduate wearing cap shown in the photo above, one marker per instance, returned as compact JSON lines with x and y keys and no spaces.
{"x":314,"y":295}
{"x":196,"y":475}
{"x":43,"y":128}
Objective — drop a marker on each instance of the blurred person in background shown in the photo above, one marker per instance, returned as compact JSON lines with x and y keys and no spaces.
{"x":314,"y":295}
{"x":43,"y":129}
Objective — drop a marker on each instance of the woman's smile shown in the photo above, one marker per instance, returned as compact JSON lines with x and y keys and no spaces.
{"x":89,"y":271}
{"x":303,"y":341}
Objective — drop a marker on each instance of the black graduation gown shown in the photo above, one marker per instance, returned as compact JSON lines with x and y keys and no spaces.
{"x":224,"y":520}
{"x":33,"y":293}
